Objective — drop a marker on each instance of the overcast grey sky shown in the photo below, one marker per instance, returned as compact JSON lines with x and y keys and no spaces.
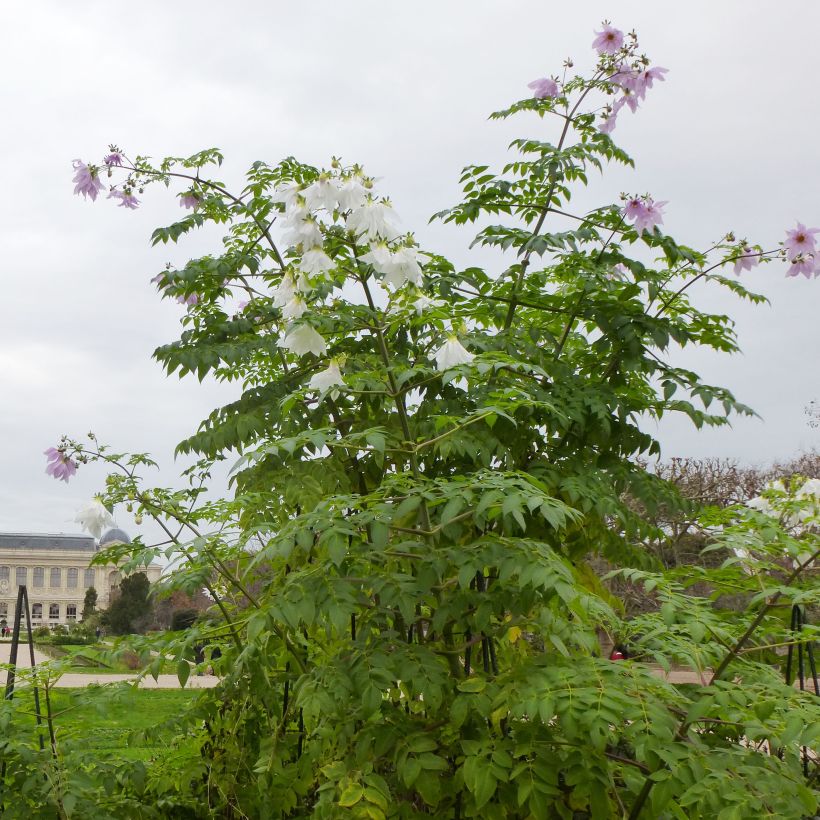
{"x":730,"y":140}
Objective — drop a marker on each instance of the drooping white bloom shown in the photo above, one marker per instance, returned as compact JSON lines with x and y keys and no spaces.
{"x":295,"y":214}
{"x":294,"y":308}
{"x":303,"y":283}
{"x":350,"y":193}
{"x":810,"y":488}
{"x":374,"y":220}
{"x":765,"y":505}
{"x":304,"y":232}
{"x":451,"y":354}
{"x":94,"y":517}
{"x":423,"y":303}
{"x":402,"y":268}
{"x":379,"y":257}
{"x":761,"y":505}
{"x":322,"y":193}
{"x":315,"y":261}
{"x":809,"y":495}
{"x":303,"y":339}
{"x":328,"y":378}
{"x":284,"y":291}
{"x":286,"y":192}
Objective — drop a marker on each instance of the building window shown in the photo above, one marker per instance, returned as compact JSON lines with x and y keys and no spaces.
{"x":88,"y":578}
{"x":20,"y":576}
{"x":114,"y":579}
{"x":54,"y":612}
{"x":71,"y":577}
{"x":38,"y":577}
{"x":71,"y":612}
{"x":56,"y":577}
{"x":4,"y":610}
{"x":5,"y":573}
{"x":36,"y":611}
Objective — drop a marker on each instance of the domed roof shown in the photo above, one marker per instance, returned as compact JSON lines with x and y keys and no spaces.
{"x":115,"y":536}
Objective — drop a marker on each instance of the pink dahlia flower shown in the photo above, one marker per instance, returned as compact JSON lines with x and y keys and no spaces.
{"x":802,"y":263}
{"x":747,"y":260}
{"x":608,"y":41}
{"x":189,"y":201}
{"x":800,"y":240}
{"x":59,"y":464}
{"x":543,"y":87}
{"x":127,"y":200}
{"x":86,"y":180}
{"x":646,"y":213}
{"x":646,"y":78}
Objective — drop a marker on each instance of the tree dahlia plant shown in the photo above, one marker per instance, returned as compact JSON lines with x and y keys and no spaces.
{"x":433,"y":464}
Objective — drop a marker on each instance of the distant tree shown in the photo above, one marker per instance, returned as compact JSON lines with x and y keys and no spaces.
{"x":130,"y":611}
{"x":166,"y":606}
{"x":183,"y":619}
{"x":89,"y":603}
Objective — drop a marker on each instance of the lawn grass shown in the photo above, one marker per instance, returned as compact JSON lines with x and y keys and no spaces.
{"x":110,"y":721}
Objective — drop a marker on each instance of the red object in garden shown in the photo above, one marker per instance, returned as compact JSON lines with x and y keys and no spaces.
{"x":617,"y":655}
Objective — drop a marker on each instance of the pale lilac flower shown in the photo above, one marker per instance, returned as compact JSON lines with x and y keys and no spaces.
{"x":242,"y":304}
{"x":351,"y":194}
{"x":646,"y":78}
{"x":189,"y":201}
{"x":749,"y":259}
{"x":114,"y":158}
{"x":157,"y":280}
{"x":86,"y":180}
{"x":635,"y":209}
{"x":653,"y":215}
{"x":543,"y":87}
{"x":374,"y":220}
{"x":327,"y":379}
{"x":188,"y":300}
{"x":800,"y":240}
{"x":127,"y":200}
{"x":609,"y":123}
{"x":295,"y":308}
{"x":802,"y":263}
{"x":94,"y":517}
{"x":451,"y":354}
{"x":625,"y":76}
{"x":303,"y":339}
{"x":645,"y":212}
{"x":630,"y":98}
{"x":59,"y":464}
{"x":315,"y":261}
{"x":608,"y":41}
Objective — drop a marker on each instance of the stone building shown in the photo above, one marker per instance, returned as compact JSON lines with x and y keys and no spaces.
{"x":56,"y":570}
